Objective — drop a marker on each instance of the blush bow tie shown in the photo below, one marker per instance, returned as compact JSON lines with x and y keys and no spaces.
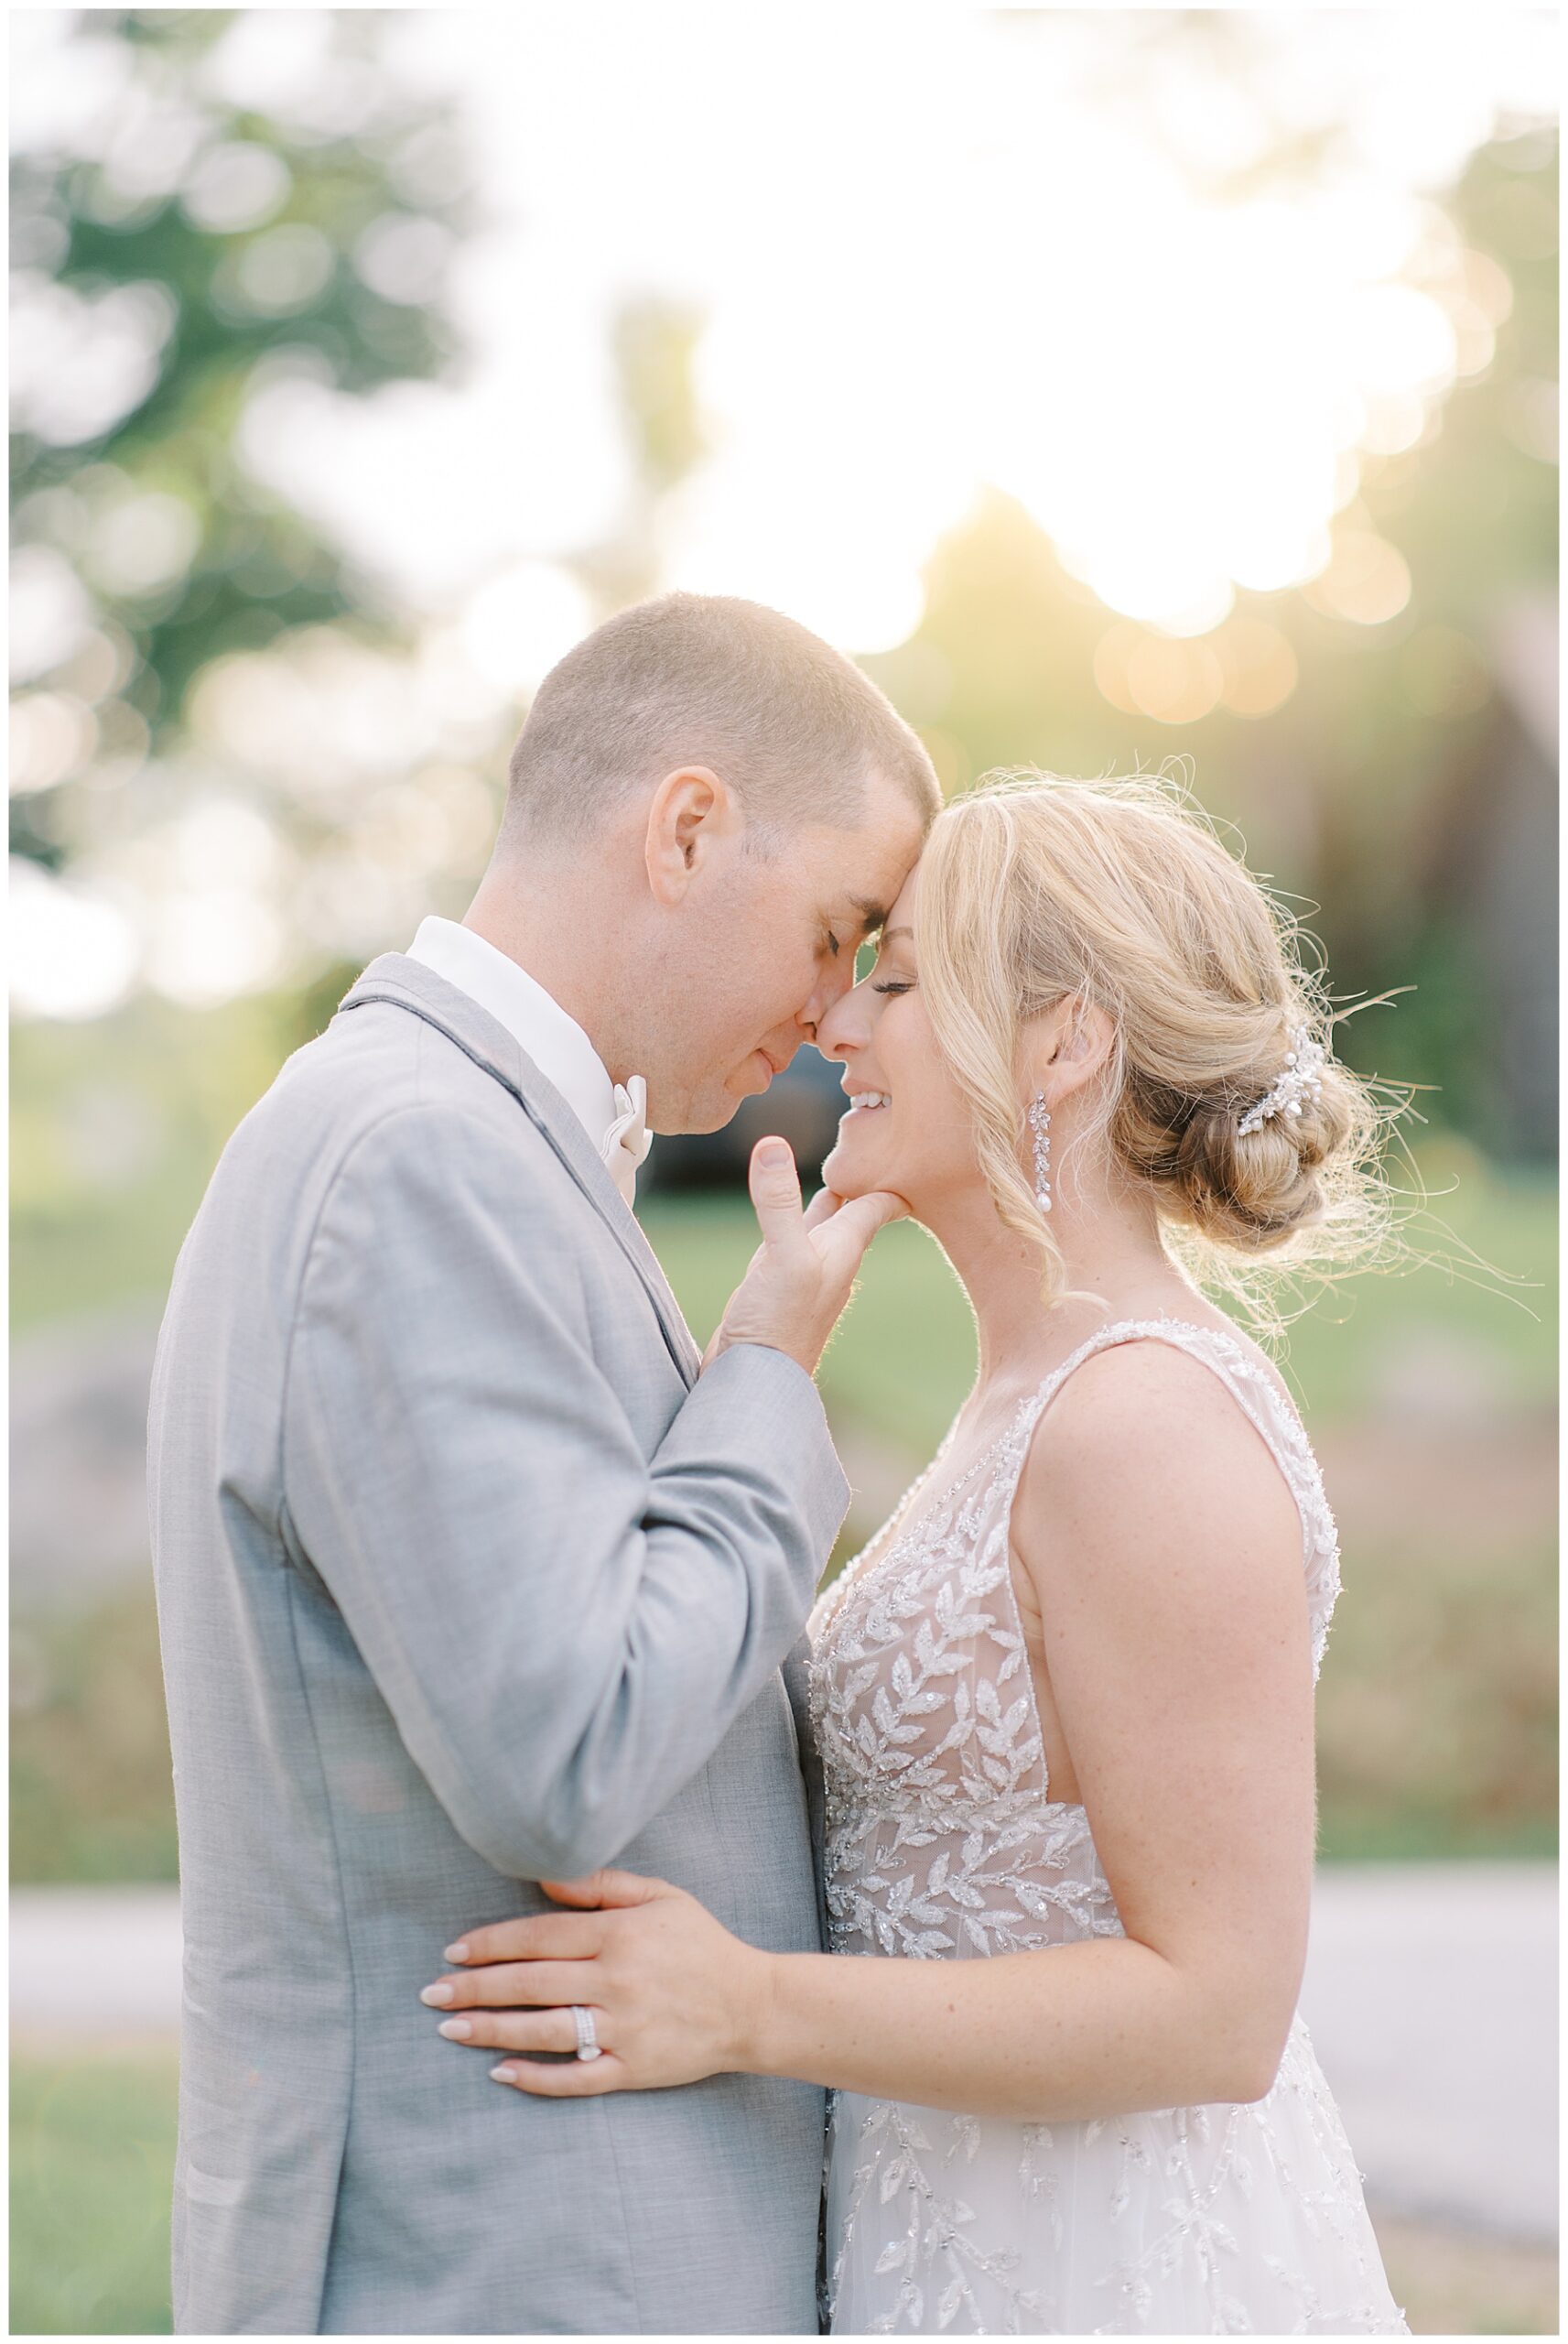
{"x":628,"y":1140}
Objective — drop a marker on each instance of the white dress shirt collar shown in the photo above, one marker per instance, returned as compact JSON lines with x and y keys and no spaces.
{"x":540,"y":1026}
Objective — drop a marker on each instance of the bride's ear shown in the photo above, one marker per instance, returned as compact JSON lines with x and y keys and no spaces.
{"x":1069,"y":1042}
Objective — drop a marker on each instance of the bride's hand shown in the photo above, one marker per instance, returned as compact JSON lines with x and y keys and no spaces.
{"x":673,"y":1996}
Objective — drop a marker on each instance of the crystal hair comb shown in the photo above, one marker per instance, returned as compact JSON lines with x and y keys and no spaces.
{"x":1302,"y":1079}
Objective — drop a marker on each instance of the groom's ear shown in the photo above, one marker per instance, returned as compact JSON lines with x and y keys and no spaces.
{"x":692,"y":810}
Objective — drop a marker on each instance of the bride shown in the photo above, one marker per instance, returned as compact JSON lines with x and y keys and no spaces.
{"x":1064,"y":1701}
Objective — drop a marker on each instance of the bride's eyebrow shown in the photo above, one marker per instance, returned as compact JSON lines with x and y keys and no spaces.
{"x":877,"y":946}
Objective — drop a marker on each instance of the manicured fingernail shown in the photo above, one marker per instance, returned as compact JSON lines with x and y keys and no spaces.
{"x":458,"y":1952}
{"x":773,"y":1152}
{"x":456,"y":2030}
{"x":437,"y":1994}
{"x":501,"y":2075}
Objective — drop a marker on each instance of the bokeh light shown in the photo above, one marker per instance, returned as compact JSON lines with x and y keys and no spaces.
{"x":1364,"y":579}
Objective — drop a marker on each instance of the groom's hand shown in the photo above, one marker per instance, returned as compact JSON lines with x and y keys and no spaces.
{"x":801,"y":1275}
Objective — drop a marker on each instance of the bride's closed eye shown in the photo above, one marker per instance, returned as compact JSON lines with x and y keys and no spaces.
{"x":895,"y":984}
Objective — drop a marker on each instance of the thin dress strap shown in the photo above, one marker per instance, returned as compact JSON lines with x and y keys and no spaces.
{"x":1266,"y":1409}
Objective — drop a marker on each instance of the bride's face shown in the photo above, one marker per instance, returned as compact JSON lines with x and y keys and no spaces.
{"x":909,"y":1127}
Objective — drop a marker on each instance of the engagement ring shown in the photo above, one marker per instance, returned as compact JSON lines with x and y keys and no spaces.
{"x":587,"y":2041}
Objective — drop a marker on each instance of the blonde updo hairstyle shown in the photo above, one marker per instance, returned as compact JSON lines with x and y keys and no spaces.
{"x":1119,"y":895}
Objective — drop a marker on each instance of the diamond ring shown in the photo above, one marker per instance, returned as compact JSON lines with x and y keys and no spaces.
{"x":587,"y":2040}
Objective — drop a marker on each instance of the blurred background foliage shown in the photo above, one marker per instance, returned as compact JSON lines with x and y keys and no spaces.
{"x":247,"y":754}
{"x":207,"y":248}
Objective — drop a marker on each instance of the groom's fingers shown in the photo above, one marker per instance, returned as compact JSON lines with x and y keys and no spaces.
{"x":775,"y":1190}
{"x":855,"y":1224}
{"x":823,"y":1206}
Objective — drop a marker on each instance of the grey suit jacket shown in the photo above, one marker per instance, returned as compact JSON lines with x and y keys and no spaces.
{"x":465,"y":1580}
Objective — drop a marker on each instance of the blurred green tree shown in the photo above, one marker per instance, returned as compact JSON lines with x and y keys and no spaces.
{"x":177,"y":244}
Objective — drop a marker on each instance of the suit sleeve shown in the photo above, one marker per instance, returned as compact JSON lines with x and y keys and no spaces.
{"x":563,"y":1630}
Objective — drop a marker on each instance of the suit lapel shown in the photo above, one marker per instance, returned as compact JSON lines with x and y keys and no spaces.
{"x":407,"y":984}
{"x":797,"y":1675}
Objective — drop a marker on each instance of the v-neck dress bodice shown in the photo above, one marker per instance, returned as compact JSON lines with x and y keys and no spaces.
{"x":943,"y":1842}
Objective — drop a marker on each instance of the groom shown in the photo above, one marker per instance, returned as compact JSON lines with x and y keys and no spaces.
{"x":470,"y":1572}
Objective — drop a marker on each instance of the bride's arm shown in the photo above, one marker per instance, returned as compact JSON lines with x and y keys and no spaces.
{"x":1165,"y":1552}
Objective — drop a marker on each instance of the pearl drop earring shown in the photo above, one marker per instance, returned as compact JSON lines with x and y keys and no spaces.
{"x":1040,"y":1125}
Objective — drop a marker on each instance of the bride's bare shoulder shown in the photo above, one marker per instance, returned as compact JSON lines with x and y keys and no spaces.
{"x":1134,"y":1394}
{"x":1144,"y":1436}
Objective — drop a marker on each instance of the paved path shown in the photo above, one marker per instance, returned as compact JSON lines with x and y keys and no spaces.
{"x":1431,"y":1996}
{"x":1430,"y":1992}
{"x":98,"y":1963}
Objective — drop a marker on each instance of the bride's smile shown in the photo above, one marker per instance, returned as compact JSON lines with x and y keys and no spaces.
{"x":907,"y":1127}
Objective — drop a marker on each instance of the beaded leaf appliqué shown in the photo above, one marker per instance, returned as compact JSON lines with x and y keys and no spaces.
{"x":943,"y":1842}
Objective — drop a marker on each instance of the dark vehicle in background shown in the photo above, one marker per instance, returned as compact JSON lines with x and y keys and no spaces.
{"x":803,"y":1105}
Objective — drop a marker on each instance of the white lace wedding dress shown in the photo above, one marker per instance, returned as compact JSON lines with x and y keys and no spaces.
{"x":944,"y":1842}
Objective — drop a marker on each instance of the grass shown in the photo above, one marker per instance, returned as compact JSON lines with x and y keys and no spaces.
{"x":904,"y":1356}
{"x":92,"y":1797}
{"x":1437,"y":1705}
{"x":115,"y":1126}
{"x":91,"y":2156}
{"x":1449,"y":2284}
{"x":92,"y":2151}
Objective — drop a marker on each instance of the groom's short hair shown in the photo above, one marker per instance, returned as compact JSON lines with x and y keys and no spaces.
{"x":794,"y":727}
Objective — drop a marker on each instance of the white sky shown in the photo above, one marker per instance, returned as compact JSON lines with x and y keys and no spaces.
{"x":936,"y":247}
